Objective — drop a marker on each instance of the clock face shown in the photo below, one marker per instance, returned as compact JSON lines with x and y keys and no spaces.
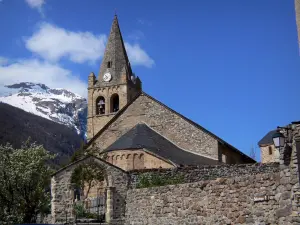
{"x":107,"y":77}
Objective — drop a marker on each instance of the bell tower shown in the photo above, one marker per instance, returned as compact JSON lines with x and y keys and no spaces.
{"x":115,"y":86}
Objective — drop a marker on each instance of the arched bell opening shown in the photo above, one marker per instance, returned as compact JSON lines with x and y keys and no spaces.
{"x":100,"y":104}
{"x":114,"y":103}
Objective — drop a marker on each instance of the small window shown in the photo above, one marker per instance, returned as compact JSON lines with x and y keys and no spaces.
{"x":270,"y":150}
{"x":109,"y":64}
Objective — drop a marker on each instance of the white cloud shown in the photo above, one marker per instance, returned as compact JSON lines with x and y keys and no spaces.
{"x":3,"y":60}
{"x":37,"y":71}
{"x":35,"y":3}
{"x":138,"y":56}
{"x":53,"y":43}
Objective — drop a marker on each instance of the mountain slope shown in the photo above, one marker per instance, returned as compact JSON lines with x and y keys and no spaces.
{"x":58,"y":105}
{"x":16,"y":126}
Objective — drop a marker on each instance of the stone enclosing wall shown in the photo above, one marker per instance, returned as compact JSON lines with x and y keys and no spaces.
{"x":226,"y":194}
{"x":250,"y":199}
{"x":194,"y":174}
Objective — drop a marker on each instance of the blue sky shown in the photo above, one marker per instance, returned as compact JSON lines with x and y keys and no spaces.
{"x":232,"y":66}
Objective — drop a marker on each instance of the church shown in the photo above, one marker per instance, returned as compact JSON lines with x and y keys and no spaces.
{"x":154,"y":166}
{"x":133,"y":131}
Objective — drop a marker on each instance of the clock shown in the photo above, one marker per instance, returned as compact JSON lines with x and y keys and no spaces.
{"x":107,"y":77}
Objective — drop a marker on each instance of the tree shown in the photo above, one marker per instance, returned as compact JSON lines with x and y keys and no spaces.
{"x":78,"y":154}
{"x":25,"y":177}
{"x":87,"y":175}
{"x":252,"y":153}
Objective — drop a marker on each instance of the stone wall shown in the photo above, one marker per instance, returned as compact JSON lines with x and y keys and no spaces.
{"x":269,"y":154}
{"x":194,"y":174}
{"x":96,"y":122}
{"x":62,"y":201}
{"x":226,"y":155}
{"x":236,"y":194}
{"x":240,"y":200}
{"x":165,"y":122}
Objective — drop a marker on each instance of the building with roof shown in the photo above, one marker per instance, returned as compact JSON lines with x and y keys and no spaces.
{"x":133,"y":130}
{"x":267,"y":149}
{"x":135,"y":139}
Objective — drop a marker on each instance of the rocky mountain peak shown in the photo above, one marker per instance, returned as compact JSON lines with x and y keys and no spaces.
{"x":56,"y":104}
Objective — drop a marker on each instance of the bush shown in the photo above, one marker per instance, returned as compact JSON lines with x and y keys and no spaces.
{"x":81,"y":212}
{"x":153,"y":180}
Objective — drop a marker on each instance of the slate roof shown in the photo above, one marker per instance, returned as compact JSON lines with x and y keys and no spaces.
{"x":267,"y":139}
{"x":143,"y":137}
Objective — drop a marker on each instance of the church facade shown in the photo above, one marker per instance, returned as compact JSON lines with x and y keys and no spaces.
{"x":135,"y":131}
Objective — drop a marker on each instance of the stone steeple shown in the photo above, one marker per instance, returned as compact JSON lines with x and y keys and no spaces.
{"x":115,"y":60}
{"x":116,"y":85}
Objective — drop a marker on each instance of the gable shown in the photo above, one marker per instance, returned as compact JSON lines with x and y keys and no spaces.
{"x":166,"y":122}
{"x":86,"y":160}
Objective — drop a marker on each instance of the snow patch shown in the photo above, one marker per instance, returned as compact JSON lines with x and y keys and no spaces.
{"x":58,"y":105}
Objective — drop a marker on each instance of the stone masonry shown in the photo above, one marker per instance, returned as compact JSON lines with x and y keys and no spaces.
{"x":269,"y":154}
{"x":136,"y":159}
{"x":223,"y":194}
{"x":250,"y":199}
{"x":163,"y":121}
{"x":123,"y":82}
{"x":193,"y":174}
{"x":63,"y":196}
{"x":268,"y":194}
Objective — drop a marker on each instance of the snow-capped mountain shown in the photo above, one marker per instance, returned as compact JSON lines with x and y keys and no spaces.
{"x":58,"y":105}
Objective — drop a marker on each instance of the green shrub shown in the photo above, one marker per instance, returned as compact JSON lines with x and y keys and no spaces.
{"x":79,"y":210}
{"x":153,"y":180}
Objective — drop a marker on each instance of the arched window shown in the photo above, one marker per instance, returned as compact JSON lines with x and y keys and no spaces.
{"x":114,"y":103}
{"x":100,"y":105}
